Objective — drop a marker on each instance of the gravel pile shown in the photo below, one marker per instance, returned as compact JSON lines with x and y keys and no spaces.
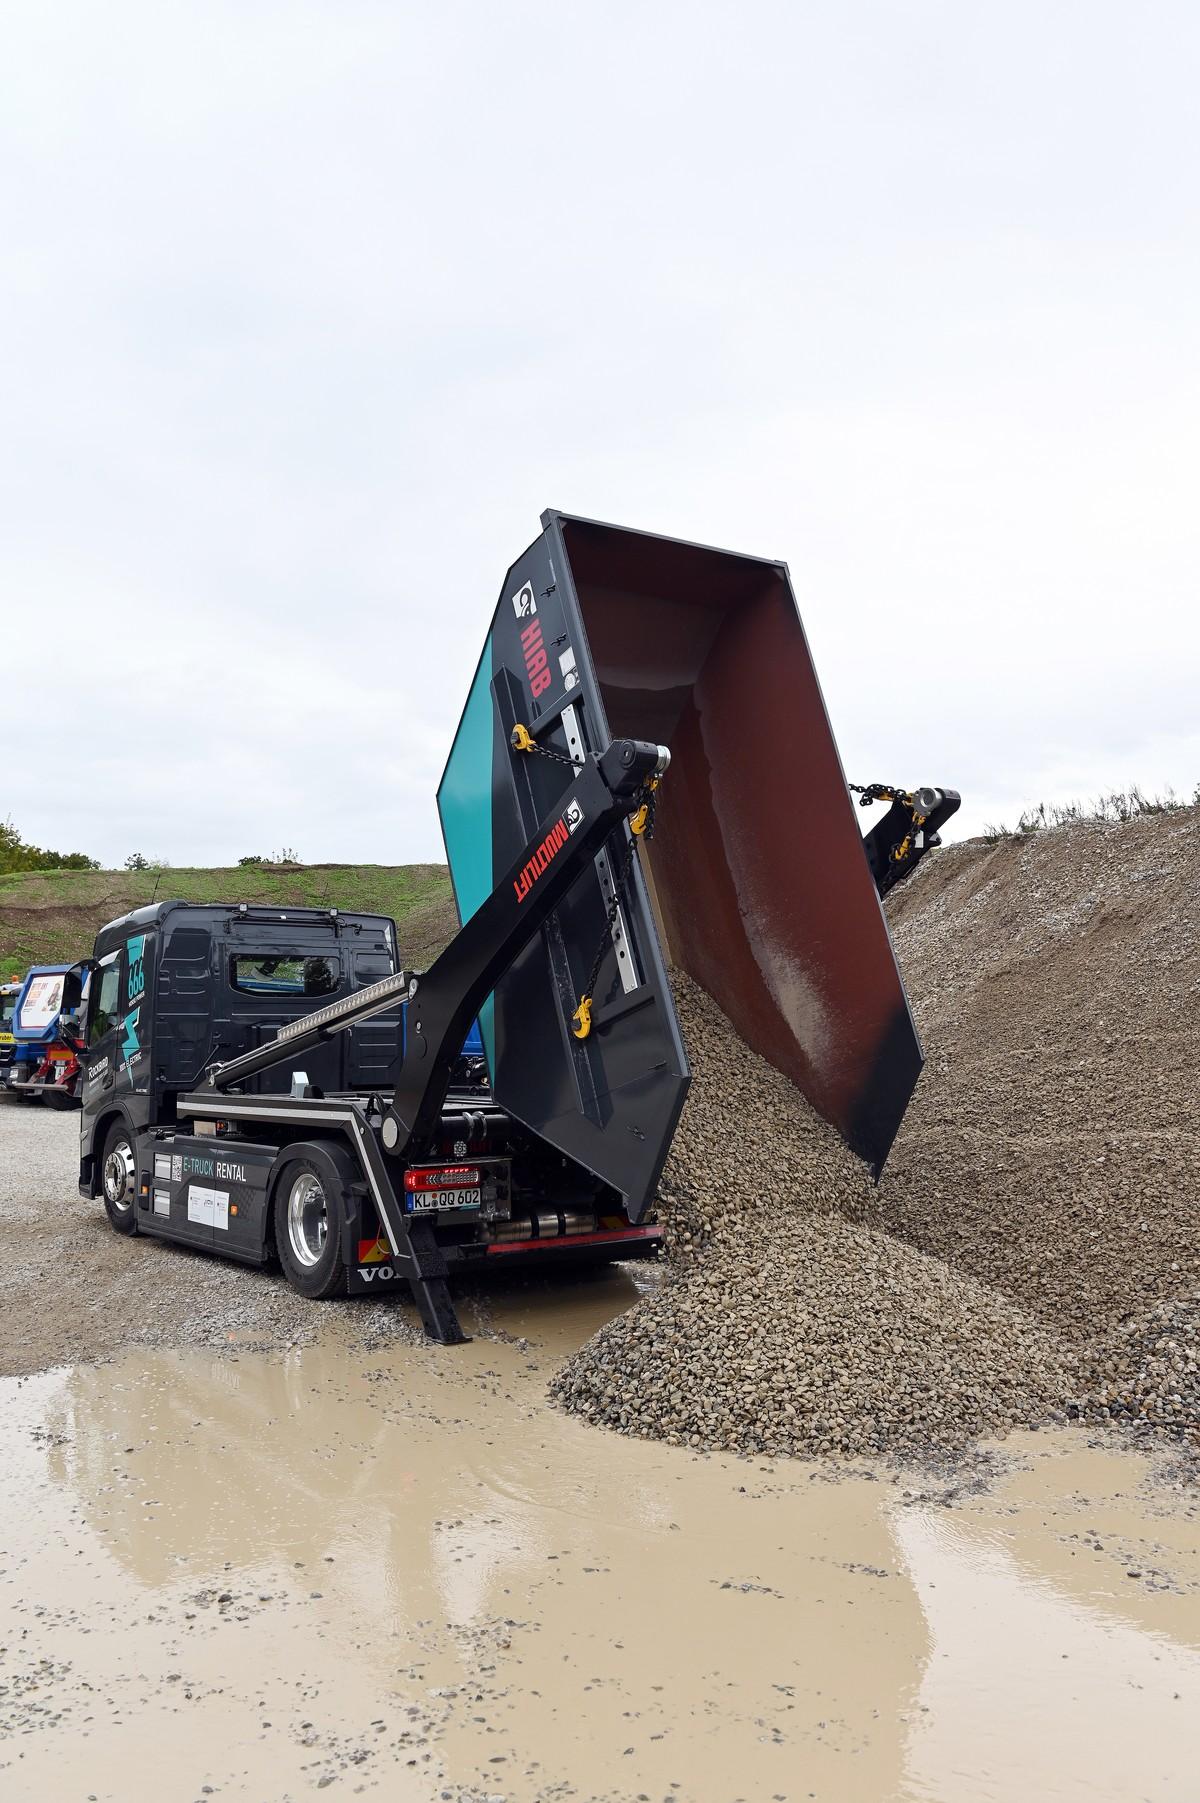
{"x":1034,"y":1248}
{"x":1053,"y":1147}
{"x":1147,"y":1372}
{"x":786,"y":1324}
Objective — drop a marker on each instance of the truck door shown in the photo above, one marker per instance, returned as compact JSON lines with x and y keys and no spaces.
{"x":101,"y":1062}
{"x":117,"y":1061}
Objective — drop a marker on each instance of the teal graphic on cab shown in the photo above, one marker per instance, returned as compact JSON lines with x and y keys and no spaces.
{"x":130,"y":1046}
{"x":135,"y":959}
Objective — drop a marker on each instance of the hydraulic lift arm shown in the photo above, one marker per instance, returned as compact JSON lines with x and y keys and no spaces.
{"x":452,"y":991}
{"x":458,"y":983}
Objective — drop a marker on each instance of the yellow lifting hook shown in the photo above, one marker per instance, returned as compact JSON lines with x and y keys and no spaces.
{"x":581,"y":1020}
{"x":638,"y":821}
{"x":521,"y":740}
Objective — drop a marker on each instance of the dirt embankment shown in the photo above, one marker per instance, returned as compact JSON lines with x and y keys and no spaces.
{"x":52,"y":916}
{"x":1034,"y":1249}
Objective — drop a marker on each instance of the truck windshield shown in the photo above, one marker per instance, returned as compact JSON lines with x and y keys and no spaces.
{"x":8,"y":1007}
{"x":287,"y":974}
{"x":43,"y":999}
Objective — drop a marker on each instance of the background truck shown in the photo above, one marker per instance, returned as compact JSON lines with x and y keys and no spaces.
{"x":47,"y":1029}
{"x":275,"y":1083}
{"x":8,"y":1007}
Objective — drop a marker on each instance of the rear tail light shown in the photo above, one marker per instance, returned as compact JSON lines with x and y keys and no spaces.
{"x":442,"y":1176}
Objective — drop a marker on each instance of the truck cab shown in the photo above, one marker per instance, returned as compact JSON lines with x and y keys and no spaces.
{"x":176,"y":987}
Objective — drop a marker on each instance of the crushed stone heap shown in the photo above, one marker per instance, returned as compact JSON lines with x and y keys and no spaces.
{"x":785,"y":1323}
{"x":1034,"y":1249}
{"x":1053,"y":1147}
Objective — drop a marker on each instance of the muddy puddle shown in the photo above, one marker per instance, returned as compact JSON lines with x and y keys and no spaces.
{"x":397,"y":1573}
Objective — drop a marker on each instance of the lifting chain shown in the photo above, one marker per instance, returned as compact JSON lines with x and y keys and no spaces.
{"x":869,"y":792}
{"x":522,"y":739}
{"x":641,"y":826}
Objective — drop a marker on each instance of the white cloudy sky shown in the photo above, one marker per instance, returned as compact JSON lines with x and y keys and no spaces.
{"x":309,"y":309}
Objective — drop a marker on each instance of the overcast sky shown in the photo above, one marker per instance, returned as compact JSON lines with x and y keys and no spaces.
{"x":308,"y":310}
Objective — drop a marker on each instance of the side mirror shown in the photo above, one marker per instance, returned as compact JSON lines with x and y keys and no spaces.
{"x":72,"y":991}
{"x":74,"y":984}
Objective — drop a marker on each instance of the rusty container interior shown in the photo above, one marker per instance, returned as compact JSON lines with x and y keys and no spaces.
{"x":758,"y":878}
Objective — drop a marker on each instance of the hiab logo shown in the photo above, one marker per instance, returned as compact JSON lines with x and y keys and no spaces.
{"x":548,"y":850}
{"x":537,"y":666}
{"x":524,"y":603}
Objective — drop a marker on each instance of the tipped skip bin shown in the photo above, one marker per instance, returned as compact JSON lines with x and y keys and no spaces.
{"x":755,"y":882}
{"x":762,"y":886}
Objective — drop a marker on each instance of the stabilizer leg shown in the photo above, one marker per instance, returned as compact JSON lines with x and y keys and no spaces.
{"x":432,"y":1297}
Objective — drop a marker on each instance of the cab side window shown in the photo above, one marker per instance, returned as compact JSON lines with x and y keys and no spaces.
{"x":106,"y":989}
{"x":286,"y":975}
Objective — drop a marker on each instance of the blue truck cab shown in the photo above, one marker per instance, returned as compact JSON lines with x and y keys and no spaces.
{"x":46,"y":1030}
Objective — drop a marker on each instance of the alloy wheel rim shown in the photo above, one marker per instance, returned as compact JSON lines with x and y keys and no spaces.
{"x":308,"y":1219}
{"x":118,"y":1176}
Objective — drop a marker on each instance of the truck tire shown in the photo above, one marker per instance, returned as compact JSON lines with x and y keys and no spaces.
{"x":118,"y":1178}
{"x":309,"y":1208}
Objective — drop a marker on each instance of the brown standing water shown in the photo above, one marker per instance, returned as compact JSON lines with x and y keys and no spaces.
{"x":399,"y":1573}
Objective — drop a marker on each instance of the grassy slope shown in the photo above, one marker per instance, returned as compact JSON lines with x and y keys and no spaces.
{"x":51,"y":917}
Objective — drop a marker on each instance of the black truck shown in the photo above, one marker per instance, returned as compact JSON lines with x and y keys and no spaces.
{"x":273,"y":1082}
{"x":357,"y":1138}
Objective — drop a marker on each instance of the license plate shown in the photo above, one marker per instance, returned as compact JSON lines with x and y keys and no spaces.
{"x":7,"y":1039}
{"x":430,"y":1201}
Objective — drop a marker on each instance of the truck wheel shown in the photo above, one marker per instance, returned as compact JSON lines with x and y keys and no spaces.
{"x":309,"y":1211}
{"x":119,"y":1178}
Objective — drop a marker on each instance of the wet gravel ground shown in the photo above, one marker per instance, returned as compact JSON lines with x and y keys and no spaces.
{"x":1033,"y":1252}
{"x":265,"y":1576}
